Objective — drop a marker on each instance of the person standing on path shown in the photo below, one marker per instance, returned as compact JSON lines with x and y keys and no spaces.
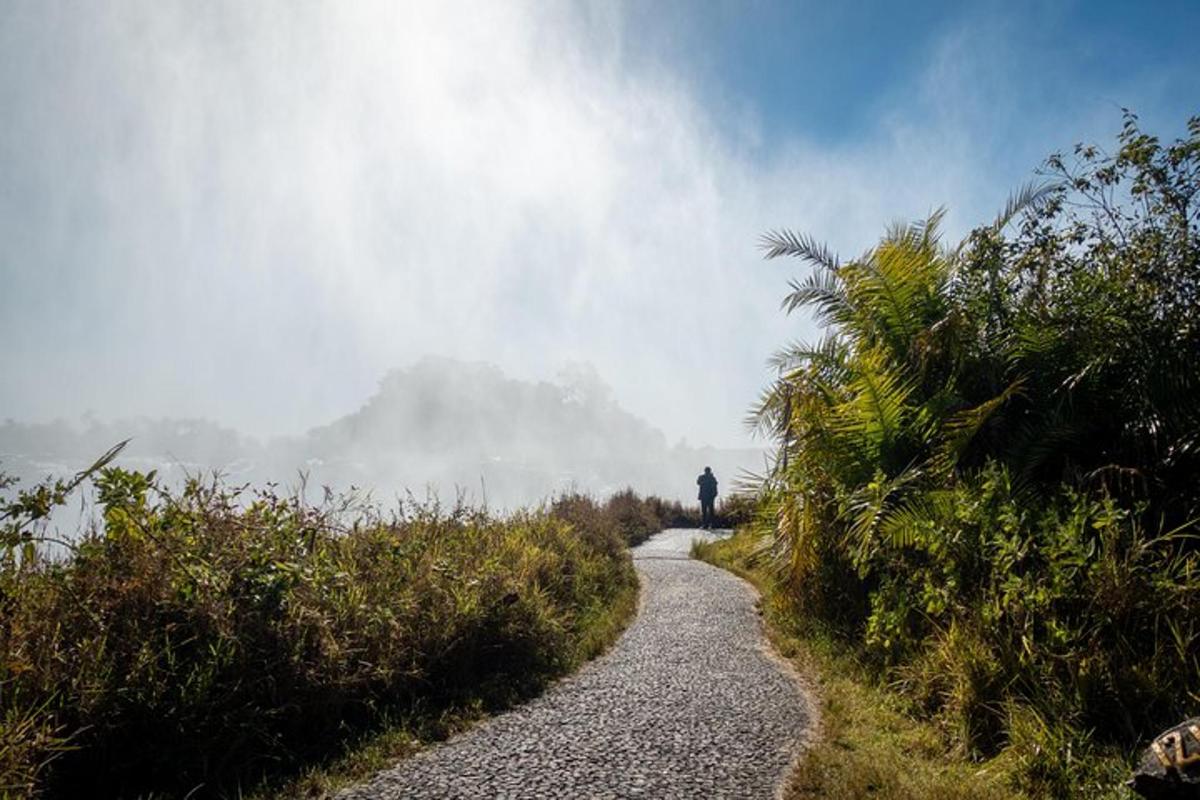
{"x":708,"y":495}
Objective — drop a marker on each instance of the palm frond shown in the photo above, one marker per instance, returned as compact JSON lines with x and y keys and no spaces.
{"x":897,"y":289}
{"x":871,"y":505}
{"x":917,"y":518}
{"x":769,"y":414}
{"x":826,"y":292}
{"x":962,"y":427}
{"x":927,"y":230}
{"x":874,"y":412}
{"x":1033,"y":443}
{"x":829,"y":354}
{"x":783,"y":242}
{"x":1027,"y":196}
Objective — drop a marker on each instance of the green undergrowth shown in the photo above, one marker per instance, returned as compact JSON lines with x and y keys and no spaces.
{"x":873,"y":741}
{"x":984,"y":471}
{"x":218,"y":641}
{"x":396,"y":738}
{"x":636,"y":518}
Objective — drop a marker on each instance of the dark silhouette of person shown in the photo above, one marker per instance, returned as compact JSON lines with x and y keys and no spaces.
{"x":708,"y":495}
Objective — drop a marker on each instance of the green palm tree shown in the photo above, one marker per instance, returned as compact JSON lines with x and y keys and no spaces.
{"x":866,"y":419}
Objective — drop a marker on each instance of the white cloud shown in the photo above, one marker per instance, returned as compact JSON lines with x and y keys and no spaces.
{"x":251,"y":211}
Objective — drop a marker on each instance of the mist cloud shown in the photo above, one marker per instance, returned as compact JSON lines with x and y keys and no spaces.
{"x":251,"y":212}
{"x":442,"y":428}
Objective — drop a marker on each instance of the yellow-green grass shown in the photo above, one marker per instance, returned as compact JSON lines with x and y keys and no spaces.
{"x":869,"y":743}
{"x":214,"y":641}
{"x":398,"y":738}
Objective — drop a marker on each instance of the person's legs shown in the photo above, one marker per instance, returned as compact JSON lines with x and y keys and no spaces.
{"x":706,"y":513}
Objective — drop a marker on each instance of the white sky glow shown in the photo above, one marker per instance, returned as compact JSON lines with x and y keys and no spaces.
{"x":251,"y":211}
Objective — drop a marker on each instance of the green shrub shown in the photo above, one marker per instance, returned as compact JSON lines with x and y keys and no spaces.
{"x":986,"y":470}
{"x":637,"y":518}
{"x":204,"y":638}
{"x":633,"y":517}
{"x":673,"y":514}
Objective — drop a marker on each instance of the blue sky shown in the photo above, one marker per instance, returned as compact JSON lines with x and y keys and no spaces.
{"x":827,"y":71}
{"x":250,"y":212}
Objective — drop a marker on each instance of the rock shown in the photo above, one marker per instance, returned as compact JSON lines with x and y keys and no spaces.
{"x":1170,"y":766}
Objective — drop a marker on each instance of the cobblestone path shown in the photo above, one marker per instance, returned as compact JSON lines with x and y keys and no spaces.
{"x":689,"y":703}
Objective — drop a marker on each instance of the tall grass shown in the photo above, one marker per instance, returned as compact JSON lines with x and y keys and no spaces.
{"x":198,"y":641}
{"x":635,"y":518}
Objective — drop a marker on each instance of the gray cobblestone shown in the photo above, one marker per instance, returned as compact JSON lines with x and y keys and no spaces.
{"x":688,"y":703}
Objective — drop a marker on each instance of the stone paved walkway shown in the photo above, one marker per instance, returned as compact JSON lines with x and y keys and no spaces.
{"x":689,"y":703}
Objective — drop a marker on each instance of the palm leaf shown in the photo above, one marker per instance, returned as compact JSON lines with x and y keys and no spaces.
{"x":1027,"y":196}
{"x":828,"y":355}
{"x":823,"y":289}
{"x":917,"y":517}
{"x":871,"y":505}
{"x":877,"y":404}
{"x":784,"y":242}
{"x":962,"y":427}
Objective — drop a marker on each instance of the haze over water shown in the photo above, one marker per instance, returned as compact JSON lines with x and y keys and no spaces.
{"x":251,"y":214}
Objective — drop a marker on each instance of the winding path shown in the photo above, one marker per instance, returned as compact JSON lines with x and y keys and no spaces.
{"x":689,"y":703}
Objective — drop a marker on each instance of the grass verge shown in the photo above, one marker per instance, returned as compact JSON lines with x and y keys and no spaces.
{"x":399,"y":738}
{"x":870,"y":744}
